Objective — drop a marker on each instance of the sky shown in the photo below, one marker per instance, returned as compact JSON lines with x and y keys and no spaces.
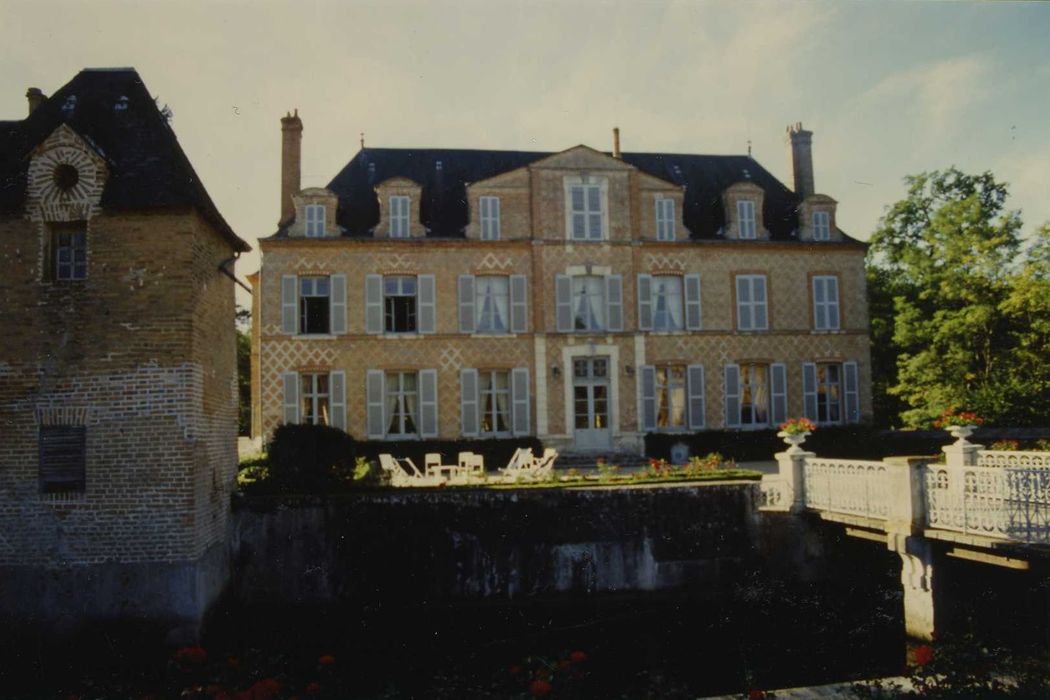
{"x":889,"y":88}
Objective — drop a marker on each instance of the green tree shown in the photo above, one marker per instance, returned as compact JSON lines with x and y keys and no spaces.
{"x":946,"y":256}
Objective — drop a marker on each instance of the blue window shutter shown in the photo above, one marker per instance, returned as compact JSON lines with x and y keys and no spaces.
{"x":851,"y":391}
{"x":375,"y":390}
{"x":779,"y":393}
{"x":289,"y":304}
{"x":693,"y":315}
{"x":290,"y":400}
{"x":614,"y":300}
{"x":647,"y":387}
{"x":563,"y":294}
{"x":695,"y":380}
{"x":645,"y":302}
{"x":426,"y":305}
{"x":428,"y":413}
{"x":809,"y":390}
{"x":337,"y":305}
{"x":468,"y":402}
{"x":337,"y":398}
{"x":732,"y":396}
{"x":373,"y":304}
{"x":519,"y":387}
{"x":466,"y":303}
{"x":518,"y":303}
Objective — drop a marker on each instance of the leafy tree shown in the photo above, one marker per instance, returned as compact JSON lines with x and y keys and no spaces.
{"x":961,"y":311}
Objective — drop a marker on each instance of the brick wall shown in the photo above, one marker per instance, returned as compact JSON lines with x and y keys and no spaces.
{"x":141,"y":354}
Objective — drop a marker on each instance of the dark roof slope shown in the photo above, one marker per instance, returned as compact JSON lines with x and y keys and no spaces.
{"x":148,"y":168}
{"x":445,"y":213}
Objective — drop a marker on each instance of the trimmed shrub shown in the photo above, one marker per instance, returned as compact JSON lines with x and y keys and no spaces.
{"x":310,"y":457}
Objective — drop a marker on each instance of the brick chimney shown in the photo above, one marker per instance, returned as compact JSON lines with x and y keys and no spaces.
{"x":616,"y":142}
{"x":291,"y":162}
{"x":800,"y":159}
{"x":35,"y":97}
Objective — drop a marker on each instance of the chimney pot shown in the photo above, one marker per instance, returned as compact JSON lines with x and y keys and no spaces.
{"x":35,"y":97}
{"x":800,"y":159}
{"x":616,"y":142}
{"x":291,"y":163}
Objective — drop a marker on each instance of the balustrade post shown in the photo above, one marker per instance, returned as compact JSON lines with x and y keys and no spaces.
{"x":792,"y":465}
{"x":906,"y":482}
{"x":961,"y":453}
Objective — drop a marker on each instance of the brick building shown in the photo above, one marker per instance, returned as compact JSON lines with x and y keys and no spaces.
{"x":586,"y":298}
{"x":118,"y":395}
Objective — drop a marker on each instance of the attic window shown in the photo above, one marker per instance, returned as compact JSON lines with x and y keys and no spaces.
{"x":65,"y":176}
{"x":70,"y":104}
{"x":121,"y":104}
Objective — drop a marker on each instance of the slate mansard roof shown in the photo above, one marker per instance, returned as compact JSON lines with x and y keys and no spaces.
{"x":445,"y":212}
{"x":147,"y":167}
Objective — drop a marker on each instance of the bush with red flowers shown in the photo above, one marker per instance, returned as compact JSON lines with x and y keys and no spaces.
{"x":951,"y":417}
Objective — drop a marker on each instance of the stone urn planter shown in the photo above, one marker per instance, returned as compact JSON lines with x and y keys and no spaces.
{"x":961,"y":432}
{"x":794,"y":440}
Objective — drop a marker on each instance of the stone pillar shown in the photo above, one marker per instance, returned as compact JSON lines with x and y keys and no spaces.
{"x":291,"y":163}
{"x":916,"y":555}
{"x":962,"y":453}
{"x":906,"y":477}
{"x":792,"y":464}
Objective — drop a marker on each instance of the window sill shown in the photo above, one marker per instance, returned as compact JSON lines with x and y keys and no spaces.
{"x":401,"y":336}
{"x":753,"y":331}
{"x":316,"y":336}
{"x":827,"y":331}
{"x":493,"y":335}
{"x":677,"y":332}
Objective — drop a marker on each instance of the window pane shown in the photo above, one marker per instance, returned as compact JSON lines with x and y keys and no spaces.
{"x":577,"y":198}
{"x":594,"y":198}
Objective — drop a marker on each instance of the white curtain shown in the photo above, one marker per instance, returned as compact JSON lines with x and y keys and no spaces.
{"x":667,"y":303}
{"x":502,"y":392}
{"x":590,"y":303}
{"x":492,"y":303}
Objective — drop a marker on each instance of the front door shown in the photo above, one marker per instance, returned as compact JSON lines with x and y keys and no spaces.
{"x":590,"y":394}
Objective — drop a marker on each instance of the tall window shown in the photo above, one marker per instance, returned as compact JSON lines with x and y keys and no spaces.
{"x":751,"y":309}
{"x":491,"y":304}
{"x":826,"y":302}
{"x":494,"y":389}
{"x":399,"y":208}
{"x":670,"y":398}
{"x":665,"y":219}
{"x":315,"y":220}
{"x":489,"y":218}
{"x":70,"y":253}
{"x":63,"y":458}
{"x":585,"y":206}
{"x":588,"y":303}
{"x":314,"y":395}
{"x":754,"y":394}
{"x":399,"y":304}
{"x":745,"y":214}
{"x":821,"y":226}
{"x":402,"y":403}
{"x":667,"y":302}
{"x":314,"y":304}
{"x":829,"y":392}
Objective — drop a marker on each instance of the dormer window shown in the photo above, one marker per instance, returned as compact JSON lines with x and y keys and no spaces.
{"x":489,"y":218}
{"x":399,"y":208}
{"x":745,"y":214}
{"x":821,"y":226}
{"x":585,"y":207}
{"x":665,"y":219}
{"x":315,"y":220}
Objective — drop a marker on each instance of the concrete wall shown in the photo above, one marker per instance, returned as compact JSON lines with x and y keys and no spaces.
{"x":405,"y":547}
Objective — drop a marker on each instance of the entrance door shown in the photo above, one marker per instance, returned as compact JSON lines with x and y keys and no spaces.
{"x":590,"y":394}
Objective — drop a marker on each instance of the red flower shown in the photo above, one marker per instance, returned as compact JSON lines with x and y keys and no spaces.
{"x":191,"y":656}
{"x":515,"y":670}
{"x":326,"y":660}
{"x":313,"y":688}
{"x":923,"y":654}
{"x":564,"y":663}
{"x":578,"y":657}
{"x":266,"y":689}
{"x":756,"y":695}
{"x":539,"y":688}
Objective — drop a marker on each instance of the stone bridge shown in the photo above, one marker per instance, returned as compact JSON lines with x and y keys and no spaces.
{"x":991,"y":507}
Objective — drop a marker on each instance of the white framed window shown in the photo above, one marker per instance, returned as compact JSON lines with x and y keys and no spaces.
{"x":588,"y":303}
{"x":831,"y":392}
{"x":490,"y":224}
{"x":494,"y":394}
{"x":745,"y":215}
{"x":70,"y":253}
{"x":315,"y":220}
{"x":400,"y":206}
{"x":314,"y":305}
{"x":821,"y":226}
{"x":585,"y":206}
{"x":751,"y":305}
{"x":667,"y":302}
{"x":670,"y":398}
{"x":665,"y":219}
{"x":825,"y":302}
{"x":492,"y":304}
{"x":399,"y":304}
{"x":402,"y":404}
{"x":314,"y":398}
